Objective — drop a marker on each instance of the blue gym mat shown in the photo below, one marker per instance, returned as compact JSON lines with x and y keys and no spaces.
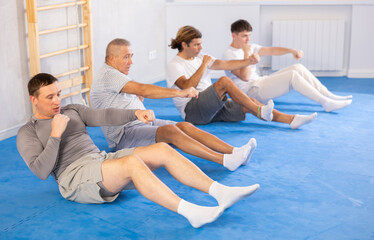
{"x":317,"y":182}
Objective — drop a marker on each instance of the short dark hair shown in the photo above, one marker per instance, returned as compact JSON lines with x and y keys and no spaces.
{"x":38,"y":81}
{"x":240,"y":26}
{"x":185,"y":34}
{"x":118,"y":42}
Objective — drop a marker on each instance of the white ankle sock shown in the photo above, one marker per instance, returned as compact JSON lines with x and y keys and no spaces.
{"x":267,"y":111}
{"x":198,"y":215}
{"x":300,"y":120}
{"x":227,"y":196}
{"x":333,"y":105}
{"x":236,"y":158}
{"x":240,"y":156}
{"x":252,"y":144}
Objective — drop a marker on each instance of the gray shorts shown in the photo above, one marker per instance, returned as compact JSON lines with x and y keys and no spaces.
{"x":210,"y":108}
{"x":79,"y":182}
{"x":142,"y":134}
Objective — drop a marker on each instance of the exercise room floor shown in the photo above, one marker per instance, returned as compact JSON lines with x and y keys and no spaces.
{"x":317,"y":182}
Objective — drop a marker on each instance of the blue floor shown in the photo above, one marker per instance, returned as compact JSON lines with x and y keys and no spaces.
{"x":317,"y":182}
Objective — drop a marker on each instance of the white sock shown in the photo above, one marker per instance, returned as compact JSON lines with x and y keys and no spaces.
{"x":240,"y":156}
{"x":252,"y":144}
{"x":267,"y":111}
{"x":332,"y":105}
{"x":236,"y":158}
{"x":227,"y":196}
{"x":300,"y":120}
{"x":198,"y":215}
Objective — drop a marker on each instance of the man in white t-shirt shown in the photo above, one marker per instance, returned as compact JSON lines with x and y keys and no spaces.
{"x":265,"y":88}
{"x":112,"y":88}
{"x":190,"y":68}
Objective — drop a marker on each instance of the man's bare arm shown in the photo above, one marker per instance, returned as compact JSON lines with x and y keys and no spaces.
{"x":157,"y":92}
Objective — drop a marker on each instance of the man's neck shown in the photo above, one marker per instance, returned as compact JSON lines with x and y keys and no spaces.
{"x":184,"y":56}
{"x":41,"y":116}
{"x":235,"y":45}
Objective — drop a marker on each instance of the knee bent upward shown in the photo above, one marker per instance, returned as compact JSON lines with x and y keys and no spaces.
{"x":224,"y":81}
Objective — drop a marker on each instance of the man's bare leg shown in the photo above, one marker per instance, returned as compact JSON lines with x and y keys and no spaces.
{"x":189,"y":174}
{"x":277,"y":115}
{"x":177,"y":135}
{"x":119,"y":172}
{"x":205,"y":138}
{"x":226,"y":85}
{"x":295,"y":121}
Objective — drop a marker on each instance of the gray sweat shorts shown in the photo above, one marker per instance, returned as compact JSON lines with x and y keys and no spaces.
{"x":209,"y":107}
{"x":80,"y":181}
{"x":142,"y":134}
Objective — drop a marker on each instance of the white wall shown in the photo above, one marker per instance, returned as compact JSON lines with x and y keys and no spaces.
{"x":299,"y":12}
{"x":15,"y":108}
{"x":140,"y":21}
{"x":362,"y":38}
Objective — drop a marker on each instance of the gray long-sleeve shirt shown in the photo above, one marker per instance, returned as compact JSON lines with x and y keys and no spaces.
{"x":46,"y":155}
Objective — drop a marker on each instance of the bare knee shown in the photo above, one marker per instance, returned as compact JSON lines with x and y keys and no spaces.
{"x":130,"y":162}
{"x":222,"y":86}
{"x":224,"y":82}
{"x":185,"y":125}
{"x":167,"y":134}
{"x":161,"y":146}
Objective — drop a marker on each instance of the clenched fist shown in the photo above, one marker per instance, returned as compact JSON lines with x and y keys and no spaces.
{"x":207,"y":60}
{"x":58,"y":125}
{"x":190,"y":92}
{"x":254,"y":58}
{"x":146,"y":116}
{"x":297,"y":54}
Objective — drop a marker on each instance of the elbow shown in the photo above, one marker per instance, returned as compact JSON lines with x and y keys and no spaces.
{"x":43,"y":177}
{"x":246,"y":79}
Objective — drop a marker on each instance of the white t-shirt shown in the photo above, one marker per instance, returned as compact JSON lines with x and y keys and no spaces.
{"x":179,"y":67}
{"x":106,"y":93}
{"x":232,"y":53}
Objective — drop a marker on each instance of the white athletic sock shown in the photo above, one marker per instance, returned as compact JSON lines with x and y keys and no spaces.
{"x":267,"y":111}
{"x":236,"y":158}
{"x":300,"y":120}
{"x":336,"y":97}
{"x":332,"y":105}
{"x":240,"y":156}
{"x":252,"y":144}
{"x":227,"y":196}
{"x":199,"y":215}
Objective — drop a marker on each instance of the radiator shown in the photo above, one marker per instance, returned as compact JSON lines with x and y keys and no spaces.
{"x":321,"y":40}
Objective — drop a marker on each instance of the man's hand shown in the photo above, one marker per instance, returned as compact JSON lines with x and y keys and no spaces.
{"x":190,"y":92}
{"x":254,"y":58}
{"x":246,"y":48}
{"x":58,"y":125}
{"x":297,"y":54}
{"x":146,"y":116}
{"x":207,"y":60}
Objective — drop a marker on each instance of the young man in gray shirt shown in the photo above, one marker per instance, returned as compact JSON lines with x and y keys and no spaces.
{"x":55,"y":141}
{"x":112,"y":88}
